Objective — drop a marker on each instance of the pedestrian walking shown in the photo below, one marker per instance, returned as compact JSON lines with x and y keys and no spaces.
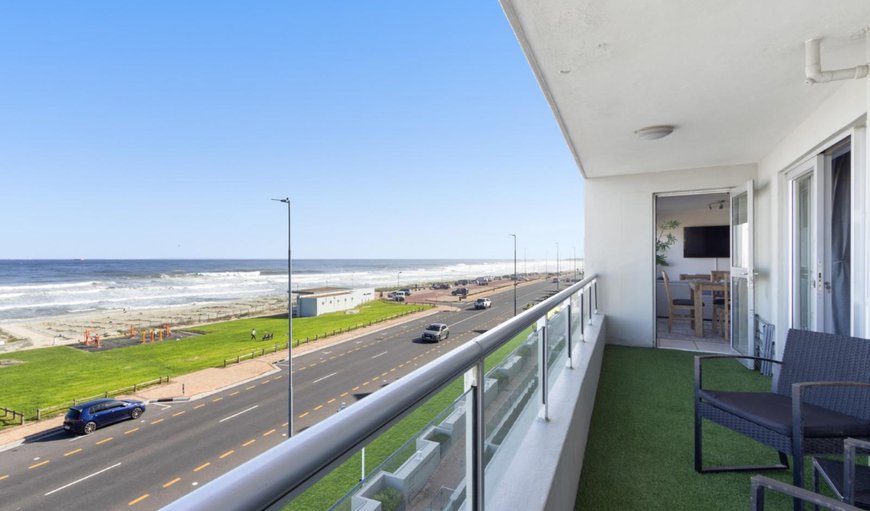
{"x":253,"y":334}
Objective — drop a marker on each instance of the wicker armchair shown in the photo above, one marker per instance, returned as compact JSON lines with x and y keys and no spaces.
{"x":822,"y":397}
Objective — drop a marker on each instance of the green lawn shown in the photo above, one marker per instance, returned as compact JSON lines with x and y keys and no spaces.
{"x":640,"y":448}
{"x":52,"y":376}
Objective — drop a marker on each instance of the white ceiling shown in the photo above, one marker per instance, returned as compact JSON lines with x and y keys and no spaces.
{"x":729,"y":74}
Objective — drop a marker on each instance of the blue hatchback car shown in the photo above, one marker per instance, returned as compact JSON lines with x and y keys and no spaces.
{"x":85,"y":418}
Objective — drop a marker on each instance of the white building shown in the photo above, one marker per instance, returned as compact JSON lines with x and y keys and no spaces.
{"x":322,"y":300}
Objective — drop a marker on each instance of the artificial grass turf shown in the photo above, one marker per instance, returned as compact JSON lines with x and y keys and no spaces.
{"x":640,"y":451}
{"x":52,"y":376}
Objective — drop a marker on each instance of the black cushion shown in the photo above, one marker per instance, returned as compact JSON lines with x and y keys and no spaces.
{"x":773,"y":411}
{"x":684,"y":301}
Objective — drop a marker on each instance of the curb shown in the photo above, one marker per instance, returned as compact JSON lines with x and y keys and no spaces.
{"x":169,"y":399}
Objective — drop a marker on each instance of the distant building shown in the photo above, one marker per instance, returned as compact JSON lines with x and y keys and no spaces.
{"x":322,"y":300}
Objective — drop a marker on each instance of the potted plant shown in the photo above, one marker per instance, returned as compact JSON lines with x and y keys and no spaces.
{"x":665,"y":238}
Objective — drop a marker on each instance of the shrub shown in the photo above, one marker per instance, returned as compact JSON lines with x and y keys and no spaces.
{"x":390,"y":499}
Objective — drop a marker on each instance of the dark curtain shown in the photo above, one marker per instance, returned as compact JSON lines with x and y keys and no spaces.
{"x":841,"y":244}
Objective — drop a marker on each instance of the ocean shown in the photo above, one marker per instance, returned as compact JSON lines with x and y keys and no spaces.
{"x":45,"y":288}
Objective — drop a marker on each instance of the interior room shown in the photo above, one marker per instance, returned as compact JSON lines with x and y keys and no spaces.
{"x":692,"y":261}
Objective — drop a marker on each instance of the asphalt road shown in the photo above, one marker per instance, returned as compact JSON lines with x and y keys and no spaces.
{"x":175,"y":447}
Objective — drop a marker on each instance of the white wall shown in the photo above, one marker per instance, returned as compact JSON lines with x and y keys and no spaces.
{"x":316,"y":305}
{"x":620,"y":241}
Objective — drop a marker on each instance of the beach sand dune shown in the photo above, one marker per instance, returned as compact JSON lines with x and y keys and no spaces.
{"x":70,"y":328}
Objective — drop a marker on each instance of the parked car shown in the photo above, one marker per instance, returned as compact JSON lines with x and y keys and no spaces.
{"x":482,"y":303}
{"x":460,"y":291}
{"x":406,"y":291}
{"x":440,"y":285}
{"x":85,"y":418}
{"x":436,"y":332}
{"x":462,"y":282}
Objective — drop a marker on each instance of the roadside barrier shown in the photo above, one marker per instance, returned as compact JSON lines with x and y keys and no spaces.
{"x":11,"y":416}
{"x":48,"y":411}
{"x":298,"y":341}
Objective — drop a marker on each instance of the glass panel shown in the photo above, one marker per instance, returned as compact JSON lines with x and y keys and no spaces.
{"x":803,"y":254}
{"x":418,"y":464}
{"x":557,"y":341}
{"x":511,"y":400}
{"x":739,"y":232}
{"x":576,"y":316}
{"x":740,"y":323}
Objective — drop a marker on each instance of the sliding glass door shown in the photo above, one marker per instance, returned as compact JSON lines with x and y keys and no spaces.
{"x":742,"y":271}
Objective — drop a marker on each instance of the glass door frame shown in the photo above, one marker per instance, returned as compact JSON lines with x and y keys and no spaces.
{"x":743,"y":268}
{"x":813,"y":167}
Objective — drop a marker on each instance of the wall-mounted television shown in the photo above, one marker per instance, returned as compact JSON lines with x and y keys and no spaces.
{"x":706,"y":241}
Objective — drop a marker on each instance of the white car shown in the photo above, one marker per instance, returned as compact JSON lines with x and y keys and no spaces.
{"x":482,"y":303}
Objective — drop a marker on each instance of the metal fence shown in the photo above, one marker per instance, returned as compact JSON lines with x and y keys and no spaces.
{"x":275,"y":477}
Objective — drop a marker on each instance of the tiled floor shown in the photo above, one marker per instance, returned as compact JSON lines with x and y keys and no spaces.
{"x":682,"y":337}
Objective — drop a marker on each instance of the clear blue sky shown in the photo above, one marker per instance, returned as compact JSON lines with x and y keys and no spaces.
{"x":161,"y":129}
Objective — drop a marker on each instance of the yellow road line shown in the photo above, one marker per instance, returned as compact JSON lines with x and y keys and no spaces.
{"x":170,"y":483}
{"x":318,"y":407}
{"x":355,"y":388}
{"x":303,"y":415}
{"x":104,"y":440}
{"x":312,"y":365}
{"x":269,"y":432}
{"x":391,"y":370}
{"x":197,"y":469}
{"x":277,"y":378}
{"x":176,"y":414}
{"x":136,"y":501}
{"x":401,"y":365}
{"x":285,"y":424}
{"x":251,"y":387}
{"x":199,"y":406}
{"x":364,"y":384}
{"x":249,"y":442}
{"x":224,"y":455}
{"x":41,"y":463}
{"x":236,"y":393}
{"x":131,"y":431}
{"x":376,"y":378}
{"x":215,"y":400}
{"x":72,"y":452}
{"x":158,"y":421}
{"x":346,"y":393}
{"x":331,"y":401}
{"x":4,"y":477}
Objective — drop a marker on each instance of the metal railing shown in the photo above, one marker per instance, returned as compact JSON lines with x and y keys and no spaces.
{"x":275,"y":477}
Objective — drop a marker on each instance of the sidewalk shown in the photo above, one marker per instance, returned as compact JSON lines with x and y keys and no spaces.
{"x":204,"y":382}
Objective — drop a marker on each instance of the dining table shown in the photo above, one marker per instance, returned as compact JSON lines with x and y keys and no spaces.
{"x":699,"y":287}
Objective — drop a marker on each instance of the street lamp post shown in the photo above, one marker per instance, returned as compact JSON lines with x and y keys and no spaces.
{"x":558,"y":276}
{"x":286,"y":200}
{"x":515,"y":272}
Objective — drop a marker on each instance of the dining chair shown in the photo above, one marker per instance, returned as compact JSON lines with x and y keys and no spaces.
{"x":722,"y":309}
{"x":678,"y":305}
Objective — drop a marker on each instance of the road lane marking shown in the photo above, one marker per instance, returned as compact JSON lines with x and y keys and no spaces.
{"x":303,"y":415}
{"x":104,"y":440}
{"x":325,"y":377}
{"x":251,"y":387}
{"x":249,"y":442}
{"x":4,"y":477}
{"x":199,"y":406}
{"x":393,"y":369}
{"x":131,"y":431}
{"x":170,"y":483}
{"x":285,"y":424}
{"x":72,"y":452}
{"x":237,"y":414}
{"x":236,"y":393}
{"x":224,"y":455}
{"x":264,"y":382}
{"x":318,"y":407}
{"x":354,"y":389}
{"x":346,"y":393}
{"x":277,"y":378}
{"x":136,"y":501}
{"x":401,"y":365}
{"x":158,"y":421}
{"x":215,"y":400}
{"x":41,"y":463}
{"x":384,"y":373}
{"x":197,"y":469}
{"x":269,"y":432}
{"x":379,"y":354}
{"x":176,"y":414}
{"x":331,"y":400}
{"x":376,"y":378}
{"x":364,"y":384}
{"x":82,"y":479}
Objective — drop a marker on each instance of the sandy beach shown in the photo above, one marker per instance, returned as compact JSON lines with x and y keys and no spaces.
{"x":70,"y":328}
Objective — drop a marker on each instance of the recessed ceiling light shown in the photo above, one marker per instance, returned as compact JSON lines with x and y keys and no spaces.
{"x":654,"y":132}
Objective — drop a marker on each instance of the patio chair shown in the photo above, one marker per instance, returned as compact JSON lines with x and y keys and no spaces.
{"x":760,"y":483}
{"x":849,"y":480}
{"x":822,"y":397}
